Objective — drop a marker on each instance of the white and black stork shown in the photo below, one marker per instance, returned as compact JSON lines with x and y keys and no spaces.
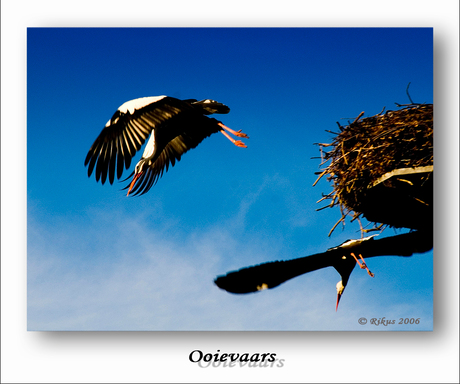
{"x":342,"y":258}
{"x":174,"y":126}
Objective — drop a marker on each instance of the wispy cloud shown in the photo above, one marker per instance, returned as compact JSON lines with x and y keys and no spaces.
{"x":146,"y":280}
{"x":113,"y":269}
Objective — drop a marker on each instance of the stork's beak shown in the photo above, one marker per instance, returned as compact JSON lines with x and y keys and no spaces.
{"x":136,"y":176}
{"x":340,"y":288}
{"x":339,"y":295}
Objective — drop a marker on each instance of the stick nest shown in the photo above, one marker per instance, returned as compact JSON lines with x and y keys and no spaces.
{"x":396,"y":146}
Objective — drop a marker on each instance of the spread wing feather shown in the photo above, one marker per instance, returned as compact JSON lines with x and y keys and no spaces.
{"x":125,"y":134}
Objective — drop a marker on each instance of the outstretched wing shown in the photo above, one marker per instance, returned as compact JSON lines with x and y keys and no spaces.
{"x":173,"y":139}
{"x":126,"y":132}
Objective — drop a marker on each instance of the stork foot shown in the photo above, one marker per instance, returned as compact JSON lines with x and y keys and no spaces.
{"x":238,"y":143}
{"x":236,"y":133}
{"x":241,"y":134}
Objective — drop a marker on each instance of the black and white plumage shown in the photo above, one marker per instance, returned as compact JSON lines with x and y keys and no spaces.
{"x":342,"y":258}
{"x":347,"y":262}
{"x":174,"y":127}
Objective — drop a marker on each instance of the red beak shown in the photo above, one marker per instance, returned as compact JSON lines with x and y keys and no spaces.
{"x":339,"y":295}
{"x":136,"y":176}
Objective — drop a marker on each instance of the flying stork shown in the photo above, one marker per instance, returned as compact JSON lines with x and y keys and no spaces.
{"x":343,"y":258}
{"x":174,"y":126}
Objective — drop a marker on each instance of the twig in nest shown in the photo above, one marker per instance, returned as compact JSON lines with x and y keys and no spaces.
{"x":343,"y":154}
{"x":407,"y":91}
{"x":360,"y":227}
{"x":320,"y":176}
{"x":326,"y":206}
{"x":377,"y":228}
{"x":335,"y":225}
{"x":359,"y":116}
{"x":325,"y":197}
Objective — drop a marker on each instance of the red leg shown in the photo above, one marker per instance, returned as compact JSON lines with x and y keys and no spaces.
{"x":363,"y":265}
{"x":238,"y":143}
{"x":236,"y":133}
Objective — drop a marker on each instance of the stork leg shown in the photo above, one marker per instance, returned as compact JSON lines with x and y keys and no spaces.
{"x":238,"y":143}
{"x":363,"y":265}
{"x":236,"y":133}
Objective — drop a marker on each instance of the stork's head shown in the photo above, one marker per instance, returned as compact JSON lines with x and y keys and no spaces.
{"x":340,"y":288}
{"x":344,"y":265}
{"x":141,"y":166}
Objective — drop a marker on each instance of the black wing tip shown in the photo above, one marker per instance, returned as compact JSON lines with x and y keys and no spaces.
{"x":100,"y":174}
{"x":251,"y":279}
{"x":231,"y":284}
{"x":87,"y":159}
{"x":145,"y":182}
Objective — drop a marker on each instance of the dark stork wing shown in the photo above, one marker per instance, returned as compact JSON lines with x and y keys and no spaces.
{"x":175,"y":137}
{"x":272,"y":274}
{"x":125,"y":134}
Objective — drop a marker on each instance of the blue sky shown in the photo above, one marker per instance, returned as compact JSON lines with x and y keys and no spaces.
{"x":98,"y":260}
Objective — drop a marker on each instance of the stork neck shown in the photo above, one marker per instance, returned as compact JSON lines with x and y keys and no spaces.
{"x":149,"y":150}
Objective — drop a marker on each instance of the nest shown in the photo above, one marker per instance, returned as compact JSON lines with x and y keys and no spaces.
{"x":381,"y":167}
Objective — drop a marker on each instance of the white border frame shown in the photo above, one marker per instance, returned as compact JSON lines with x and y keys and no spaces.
{"x":163,"y":356}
